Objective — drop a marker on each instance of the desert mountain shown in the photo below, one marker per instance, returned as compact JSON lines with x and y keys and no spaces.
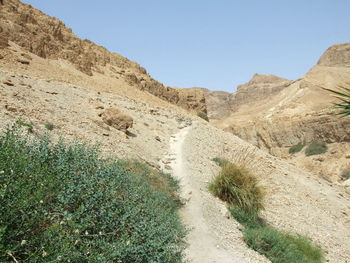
{"x":49,"y":38}
{"x":52,"y":82}
{"x":275,"y":114}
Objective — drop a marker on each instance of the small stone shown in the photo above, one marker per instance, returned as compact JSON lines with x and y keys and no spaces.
{"x":99,"y":107}
{"x":8,"y":82}
{"x":105,"y":134}
{"x":23,"y":61}
{"x":158,"y":138}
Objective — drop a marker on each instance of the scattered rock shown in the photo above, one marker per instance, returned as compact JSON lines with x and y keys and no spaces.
{"x":10,"y":108}
{"x":26,"y":56}
{"x":158,"y":138}
{"x":118,"y":120}
{"x":99,"y":107}
{"x":347,"y":156}
{"x":1,"y":56}
{"x":8,"y":82}
{"x":23,"y":61}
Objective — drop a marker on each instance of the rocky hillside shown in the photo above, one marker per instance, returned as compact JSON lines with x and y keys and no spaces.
{"x":221,"y":104}
{"x":275,"y":114}
{"x":49,"y":38}
{"x":51,"y":93}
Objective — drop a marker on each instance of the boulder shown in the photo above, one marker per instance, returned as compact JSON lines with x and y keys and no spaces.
{"x":116,"y":119}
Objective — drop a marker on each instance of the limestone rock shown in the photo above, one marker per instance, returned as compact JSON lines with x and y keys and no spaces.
{"x":118,"y":120}
{"x":337,"y":55}
{"x":48,"y":37}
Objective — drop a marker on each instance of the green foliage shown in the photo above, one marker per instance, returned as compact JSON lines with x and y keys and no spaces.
{"x":49,"y":126}
{"x":281,"y":247}
{"x":296,"y":148}
{"x":62,"y":203}
{"x":203,"y":115}
{"x":247,"y":217}
{"x":316,"y":147}
{"x":343,"y":95}
{"x":237,"y":186}
{"x":345,"y":175}
{"x":219,"y":161}
{"x":21,"y":123}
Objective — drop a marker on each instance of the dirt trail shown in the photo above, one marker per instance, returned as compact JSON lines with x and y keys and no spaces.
{"x":198,"y":213}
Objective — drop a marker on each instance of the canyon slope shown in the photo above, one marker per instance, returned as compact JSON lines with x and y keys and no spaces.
{"x":49,"y":38}
{"x":274,"y":113}
{"x":55,"y":84}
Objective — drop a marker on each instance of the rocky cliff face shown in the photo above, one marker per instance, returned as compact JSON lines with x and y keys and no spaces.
{"x":222,"y":104}
{"x":49,"y":38}
{"x":275,"y":114}
{"x":337,"y":55}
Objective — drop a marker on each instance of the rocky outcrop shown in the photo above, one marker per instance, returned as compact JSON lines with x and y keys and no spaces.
{"x":118,"y":120}
{"x":49,"y":38}
{"x":222,"y":104}
{"x":277,"y":137}
{"x":258,"y":88}
{"x":337,"y":55}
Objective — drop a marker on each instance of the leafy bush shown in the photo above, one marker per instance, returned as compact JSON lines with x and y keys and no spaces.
{"x":62,"y":203}
{"x":203,"y":116}
{"x":282,"y":247}
{"x":316,"y":147}
{"x":296,"y":148}
{"x":237,"y":186}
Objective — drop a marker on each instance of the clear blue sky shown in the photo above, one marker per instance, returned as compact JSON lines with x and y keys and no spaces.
{"x":207,"y":43}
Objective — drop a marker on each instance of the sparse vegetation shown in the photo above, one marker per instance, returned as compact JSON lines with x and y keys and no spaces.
{"x":343,"y":94}
{"x":235,"y":184}
{"x":203,"y":115}
{"x":345,"y":175}
{"x":279,"y":246}
{"x":22,"y":123}
{"x":316,"y":147}
{"x":63,"y":203}
{"x":296,"y":148}
{"x":49,"y":126}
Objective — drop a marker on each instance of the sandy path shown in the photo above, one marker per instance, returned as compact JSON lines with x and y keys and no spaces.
{"x":203,"y":244}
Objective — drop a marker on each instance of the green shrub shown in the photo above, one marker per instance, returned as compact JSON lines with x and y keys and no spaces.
{"x":237,"y":186}
{"x":296,"y":148}
{"x":316,"y":147}
{"x":247,"y":217}
{"x":49,"y":126}
{"x":62,"y":203}
{"x":219,"y":161}
{"x":345,"y":175}
{"x":22,"y":123}
{"x":282,"y":247}
{"x":203,"y":115}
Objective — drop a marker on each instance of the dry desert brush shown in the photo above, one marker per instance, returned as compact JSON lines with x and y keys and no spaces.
{"x":237,"y":186}
{"x":63,"y":203}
